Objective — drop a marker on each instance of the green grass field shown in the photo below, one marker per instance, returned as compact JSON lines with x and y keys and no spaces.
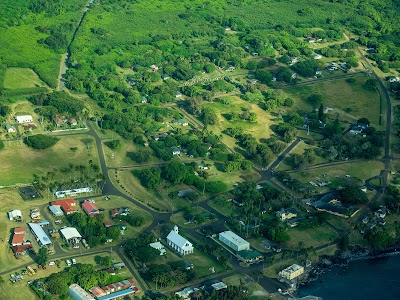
{"x":19,"y":78}
{"x":20,"y":162}
{"x":358,"y":171}
{"x":350,"y":101}
{"x":311,"y":237}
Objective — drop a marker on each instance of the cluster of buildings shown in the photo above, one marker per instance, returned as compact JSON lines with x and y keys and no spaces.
{"x":117,"y":290}
{"x":330,"y":204}
{"x":72,"y":191}
{"x":23,"y":120}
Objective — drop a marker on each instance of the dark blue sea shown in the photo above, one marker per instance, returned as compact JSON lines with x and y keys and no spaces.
{"x":371,"y":279}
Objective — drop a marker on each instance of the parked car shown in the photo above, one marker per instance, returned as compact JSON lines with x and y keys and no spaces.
{"x":73,"y":261}
{"x":51,"y":263}
{"x":68,"y":262}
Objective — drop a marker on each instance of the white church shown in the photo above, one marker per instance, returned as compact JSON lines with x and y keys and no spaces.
{"x":178,"y":242}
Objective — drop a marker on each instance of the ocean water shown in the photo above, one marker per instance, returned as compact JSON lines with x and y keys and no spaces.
{"x":371,"y":279}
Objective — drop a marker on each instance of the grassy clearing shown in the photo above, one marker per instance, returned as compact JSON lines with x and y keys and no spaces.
{"x":226,"y":208}
{"x":359,"y":171}
{"x":20,"y":162}
{"x":19,"y":78}
{"x":350,"y":101}
{"x":248,"y":282}
{"x":311,"y":237}
{"x":259,"y":129}
{"x":156,"y":199}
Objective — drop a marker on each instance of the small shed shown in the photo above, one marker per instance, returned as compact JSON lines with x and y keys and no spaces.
{"x":56,"y":210}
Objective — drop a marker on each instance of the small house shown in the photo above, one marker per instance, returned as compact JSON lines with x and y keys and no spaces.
{"x":154,"y":68}
{"x":90,"y":209}
{"x":286,"y":214}
{"x":176,"y":150}
{"x":72,"y":122}
{"x":158,"y":246}
{"x":10,"y":128}
{"x":56,"y":210}
{"x":165,"y":76}
{"x":180,"y":122}
{"x":178,"y":95}
{"x":382,"y":212}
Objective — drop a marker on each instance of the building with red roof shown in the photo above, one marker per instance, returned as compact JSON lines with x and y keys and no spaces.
{"x":114,"y":213}
{"x":90,"y":208}
{"x":21,"y":249}
{"x":108,"y":224}
{"x":17,"y":239}
{"x":19,"y":230}
{"x":118,"y":286}
{"x":67,"y":205}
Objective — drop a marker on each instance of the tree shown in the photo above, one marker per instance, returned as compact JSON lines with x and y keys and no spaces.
{"x":5,"y":110}
{"x":2,"y":146}
{"x":115,"y":144}
{"x":105,"y":261}
{"x":40,"y":141}
{"x":352,"y":195}
{"x":42,"y":256}
{"x":314,"y":99}
{"x":150,"y":178}
{"x":147,"y":254}
{"x":321,"y":112}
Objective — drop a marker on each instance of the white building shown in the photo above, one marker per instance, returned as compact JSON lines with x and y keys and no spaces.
{"x":178,"y":242}
{"x":15,"y":215}
{"x":78,"y":293}
{"x":60,"y":193}
{"x":70,"y":233}
{"x":234,"y":241}
{"x":158,"y":246}
{"x":24,"y":119}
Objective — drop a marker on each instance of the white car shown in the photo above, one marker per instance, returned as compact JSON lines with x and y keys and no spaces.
{"x":51,"y":263}
{"x":91,"y":200}
{"x":73,"y":261}
{"x":68,"y":262}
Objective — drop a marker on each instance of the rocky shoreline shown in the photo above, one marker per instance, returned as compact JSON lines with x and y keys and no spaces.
{"x":343,"y":259}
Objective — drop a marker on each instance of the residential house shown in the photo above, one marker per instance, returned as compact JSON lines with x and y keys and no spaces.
{"x":180,"y":122}
{"x":72,"y":121}
{"x":316,"y":56}
{"x":23,"y":119}
{"x":18,"y":236}
{"x":90,"y":209}
{"x":178,"y":242}
{"x":185,"y":293}
{"x":165,"y":76}
{"x":178,"y":95}
{"x":70,"y":234}
{"x":154,"y":68}
{"x":10,"y":128}
{"x":250,"y":256}
{"x":40,"y":235}
{"x":382,"y":212}
{"x":158,"y":246}
{"x":176,"y":150}
{"x":15,"y":215}
{"x":286,"y":214}
{"x":66,"y":205}
{"x":107,"y":224}
{"x":59,"y":120}
{"x":21,"y":249}
{"x":330,"y":204}
{"x":56,"y":210}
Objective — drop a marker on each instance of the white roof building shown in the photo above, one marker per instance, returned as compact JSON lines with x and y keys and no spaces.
{"x":72,"y":192}
{"x":178,"y":242}
{"x":56,"y":210}
{"x":291,"y":272}
{"x":234,"y":241}
{"x":70,"y":233}
{"x":15,"y":215}
{"x":158,"y":246}
{"x":78,"y":293}
{"x":24,"y":119}
{"x":41,"y":236}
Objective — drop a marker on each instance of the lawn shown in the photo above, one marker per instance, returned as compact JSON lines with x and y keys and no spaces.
{"x":226,"y":208}
{"x":350,"y":101}
{"x":311,"y":237}
{"x":131,"y":186}
{"x":19,"y":78}
{"x":19,"y":162}
{"x":249,"y":283}
{"x":260,"y":129}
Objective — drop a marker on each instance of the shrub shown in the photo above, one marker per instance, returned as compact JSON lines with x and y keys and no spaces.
{"x":40,"y":141}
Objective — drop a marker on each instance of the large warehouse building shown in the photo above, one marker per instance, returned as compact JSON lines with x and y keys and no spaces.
{"x":234,"y":241}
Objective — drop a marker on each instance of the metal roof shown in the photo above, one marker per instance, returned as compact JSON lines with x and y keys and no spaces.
{"x":70,"y":233}
{"x":40,"y":234}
